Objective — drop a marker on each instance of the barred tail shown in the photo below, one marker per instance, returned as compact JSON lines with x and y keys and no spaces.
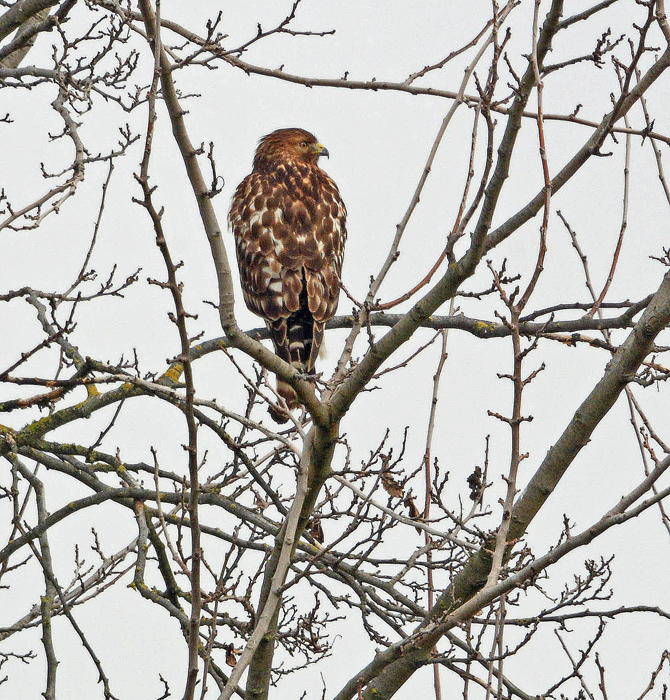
{"x":296,"y":340}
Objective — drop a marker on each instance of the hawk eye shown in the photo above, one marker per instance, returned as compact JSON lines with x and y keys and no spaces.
{"x":303,"y":144}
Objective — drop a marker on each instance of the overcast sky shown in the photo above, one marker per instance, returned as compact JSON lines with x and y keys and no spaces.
{"x":378,"y":144}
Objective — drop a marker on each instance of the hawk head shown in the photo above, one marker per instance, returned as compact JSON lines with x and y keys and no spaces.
{"x":288,"y":146}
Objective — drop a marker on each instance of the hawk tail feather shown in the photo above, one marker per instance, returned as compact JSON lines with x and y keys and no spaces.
{"x":296,"y":340}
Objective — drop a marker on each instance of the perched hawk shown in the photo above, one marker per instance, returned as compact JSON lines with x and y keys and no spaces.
{"x":289,"y":224}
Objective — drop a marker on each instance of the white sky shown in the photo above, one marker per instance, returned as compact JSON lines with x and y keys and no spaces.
{"x":378,"y":143}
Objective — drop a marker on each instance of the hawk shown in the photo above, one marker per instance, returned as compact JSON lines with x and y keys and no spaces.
{"x":289,"y":223}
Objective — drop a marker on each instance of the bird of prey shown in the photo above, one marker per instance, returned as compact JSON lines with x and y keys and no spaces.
{"x":289,"y":223}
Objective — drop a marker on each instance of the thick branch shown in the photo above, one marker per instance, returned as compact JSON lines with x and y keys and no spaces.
{"x":21,"y":12}
{"x":392,"y":668}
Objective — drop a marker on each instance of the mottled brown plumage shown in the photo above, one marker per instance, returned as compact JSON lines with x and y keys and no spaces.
{"x":289,"y":223}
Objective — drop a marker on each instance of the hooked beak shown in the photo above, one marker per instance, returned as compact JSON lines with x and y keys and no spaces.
{"x":321,"y":150}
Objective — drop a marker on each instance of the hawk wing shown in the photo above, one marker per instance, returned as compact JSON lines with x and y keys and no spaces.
{"x":290,"y":231}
